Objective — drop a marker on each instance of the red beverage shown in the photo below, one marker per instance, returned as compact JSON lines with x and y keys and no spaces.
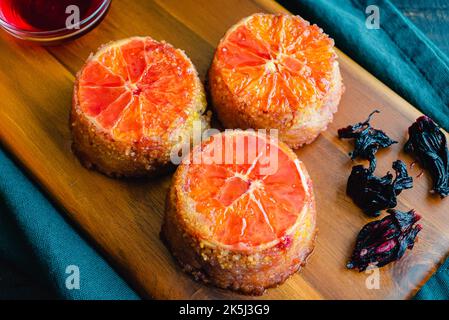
{"x":35,"y":18}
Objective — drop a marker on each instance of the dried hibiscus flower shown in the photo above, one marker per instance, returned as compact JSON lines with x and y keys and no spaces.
{"x":372,"y":193}
{"x":367,"y":140}
{"x":428,"y":144}
{"x":383,"y":241}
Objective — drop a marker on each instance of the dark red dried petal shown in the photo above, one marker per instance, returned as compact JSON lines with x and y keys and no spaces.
{"x":371,"y":193}
{"x":383,"y":241}
{"x":367,"y":140}
{"x":428,"y":144}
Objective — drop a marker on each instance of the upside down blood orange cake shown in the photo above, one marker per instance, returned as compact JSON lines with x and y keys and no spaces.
{"x":133,"y":102}
{"x":240,"y":212}
{"x":276,"y":71}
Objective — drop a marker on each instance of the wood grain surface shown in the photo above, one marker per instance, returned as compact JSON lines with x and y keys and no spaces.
{"x":123,"y":217}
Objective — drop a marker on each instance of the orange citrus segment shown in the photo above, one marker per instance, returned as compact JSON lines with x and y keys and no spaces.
{"x":96,"y":99}
{"x":244,"y":41}
{"x":283,"y":61}
{"x":133,"y":53}
{"x":108,"y":117}
{"x":130,"y":124}
{"x":113,"y":59}
{"x":242,"y":201}
{"x":96,"y":74}
{"x":137,"y":89}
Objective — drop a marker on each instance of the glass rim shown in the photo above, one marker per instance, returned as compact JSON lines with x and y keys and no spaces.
{"x":57,"y":33}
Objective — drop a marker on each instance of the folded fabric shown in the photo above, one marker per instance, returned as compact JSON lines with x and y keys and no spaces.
{"x":40,"y":253}
{"x":398,"y":54}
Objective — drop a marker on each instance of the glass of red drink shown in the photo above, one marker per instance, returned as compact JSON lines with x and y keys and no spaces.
{"x":49,"y":21}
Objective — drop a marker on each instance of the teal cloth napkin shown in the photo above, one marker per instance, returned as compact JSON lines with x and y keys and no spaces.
{"x":40,"y":251}
{"x":37,"y":244}
{"x":400,"y":55}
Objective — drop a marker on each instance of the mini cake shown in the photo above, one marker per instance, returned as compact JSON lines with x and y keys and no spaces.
{"x":244,"y":223}
{"x":134,"y":101}
{"x":276,"y":71}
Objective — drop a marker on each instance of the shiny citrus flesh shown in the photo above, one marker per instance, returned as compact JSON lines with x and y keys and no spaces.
{"x":137,"y":89}
{"x":276,"y":63}
{"x":253,"y":197}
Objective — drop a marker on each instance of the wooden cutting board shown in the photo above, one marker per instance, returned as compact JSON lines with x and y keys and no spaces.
{"x":123,"y":217}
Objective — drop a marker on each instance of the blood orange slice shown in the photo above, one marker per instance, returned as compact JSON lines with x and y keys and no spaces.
{"x":276,"y":71}
{"x":241,"y":212}
{"x":132,"y":101}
